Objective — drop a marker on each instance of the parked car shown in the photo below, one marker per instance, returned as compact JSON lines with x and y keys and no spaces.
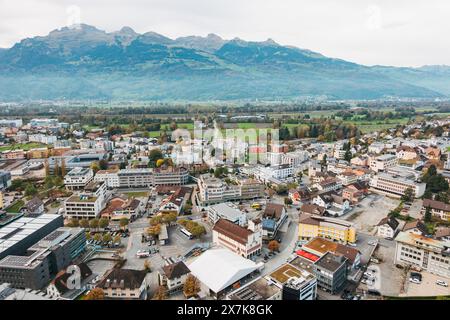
{"x":372,"y":242}
{"x":415,"y":280}
{"x":441,"y":283}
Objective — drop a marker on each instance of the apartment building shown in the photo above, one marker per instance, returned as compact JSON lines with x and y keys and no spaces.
{"x":110,"y":177}
{"x":78,"y":178}
{"x":296,"y":283}
{"x":395,"y":185}
{"x":331,"y":272}
{"x":227,"y":211}
{"x":246,"y":242}
{"x":170,"y":176}
{"x":387,"y":227}
{"x":383,"y":162}
{"x":89,"y":203}
{"x":212,"y":190}
{"x":312,"y":226}
{"x":124,"y":284}
{"x":135,"y":178}
{"x":425,"y":253}
{"x":173,"y":276}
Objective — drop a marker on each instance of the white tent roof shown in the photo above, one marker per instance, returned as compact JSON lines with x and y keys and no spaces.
{"x":219,"y":268}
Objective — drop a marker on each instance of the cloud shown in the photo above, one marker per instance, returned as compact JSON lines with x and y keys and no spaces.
{"x":401,"y":32}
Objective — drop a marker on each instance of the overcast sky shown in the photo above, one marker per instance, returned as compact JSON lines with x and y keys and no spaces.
{"x":387,"y":32}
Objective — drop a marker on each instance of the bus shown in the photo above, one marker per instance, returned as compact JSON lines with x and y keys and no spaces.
{"x":186,"y":233}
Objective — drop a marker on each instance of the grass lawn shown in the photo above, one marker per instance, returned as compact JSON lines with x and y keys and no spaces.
{"x":154,"y":134}
{"x":186,"y":125}
{"x":23,"y":146}
{"x":15,"y":208}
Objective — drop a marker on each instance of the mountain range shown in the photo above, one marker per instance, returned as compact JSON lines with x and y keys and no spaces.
{"x":88,"y":63}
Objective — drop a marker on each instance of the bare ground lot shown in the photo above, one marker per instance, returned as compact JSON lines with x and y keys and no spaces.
{"x":428,"y":287}
{"x":370,"y":211}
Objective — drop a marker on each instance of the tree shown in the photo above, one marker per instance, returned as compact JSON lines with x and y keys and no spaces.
{"x":95,"y":294}
{"x":323,"y":163}
{"x":56,"y":170}
{"x":348,"y":155}
{"x":98,"y":237}
{"x":123,"y":222}
{"x":103,"y":223}
{"x":287,"y":201}
{"x":160,"y":294}
{"x":191,"y":286}
{"x":88,"y":236}
{"x":103,"y":164}
{"x":74,"y":223}
{"x":427,"y":215}
{"x":153,"y":221}
{"x":273,"y":245}
{"x":95,"y":166}
{"x":154,"y":156}
{"x":93,"y":224}
{"x":154,"y":230}
{"x":106,"y":238}
{"x":169,"y":218}
{"x":30,"y":190}
{"x":84,"y":223}
{"x":147,"y":265}
{"x":47,"y":168}
{"x":159,"y":162}
{"x":408,"y":196}
{"x":197,"y":230}
{"x":63,"y":169}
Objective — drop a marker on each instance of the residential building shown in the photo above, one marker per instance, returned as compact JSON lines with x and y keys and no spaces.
{"x":34,"y":207}
{"x":438,"y":209}
{"x":124,"y":284}
{"x":383,"y":162}
{"x":296,"y":283}
{"x":331,"y":272}
{"x":312,"y":226}
{"x":110,"y":177}
{"x":135,"y":178}
{"x":78,"y":178}
{"x":425,"y":253}
{"x":227,"y":211}
{"x":176,"y":201}
{"x":387,"y":227}
{"x":261,"y":289}
{"x":273,"y":217}
{"x":170,"y":176}
{"x":12,"y":123}
{"x":246,"y":242}
{"x":64,"y":285}
{"x":89,"y":203}
{"x":173,"y":276}
{"x":317,"y":247}
{"x":122,"y":208}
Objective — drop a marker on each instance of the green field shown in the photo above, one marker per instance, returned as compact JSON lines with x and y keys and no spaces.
{"x":22,"y":146}
{"x":142,"y":194}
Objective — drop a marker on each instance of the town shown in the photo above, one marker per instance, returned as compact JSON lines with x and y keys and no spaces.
{"x":325,"y":212}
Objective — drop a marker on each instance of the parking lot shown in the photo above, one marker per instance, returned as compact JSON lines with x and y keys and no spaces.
{"x":427,"y":287}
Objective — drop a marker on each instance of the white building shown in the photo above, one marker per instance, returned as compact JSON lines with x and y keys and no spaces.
{"x":218,"y":269}
{"x":78,"y":178}
{"x":110,"y":177}
{"x":396,"y":185}
{"x":424,"y":253}
{"x":383,"y":162}
{"x":228,"y":212}
{"x":246,"y":242}
{"x":387,"y":227}
{"x":89,"y":203}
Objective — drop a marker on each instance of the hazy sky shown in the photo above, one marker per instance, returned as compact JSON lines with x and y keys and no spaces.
{"x":388,"y":32}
